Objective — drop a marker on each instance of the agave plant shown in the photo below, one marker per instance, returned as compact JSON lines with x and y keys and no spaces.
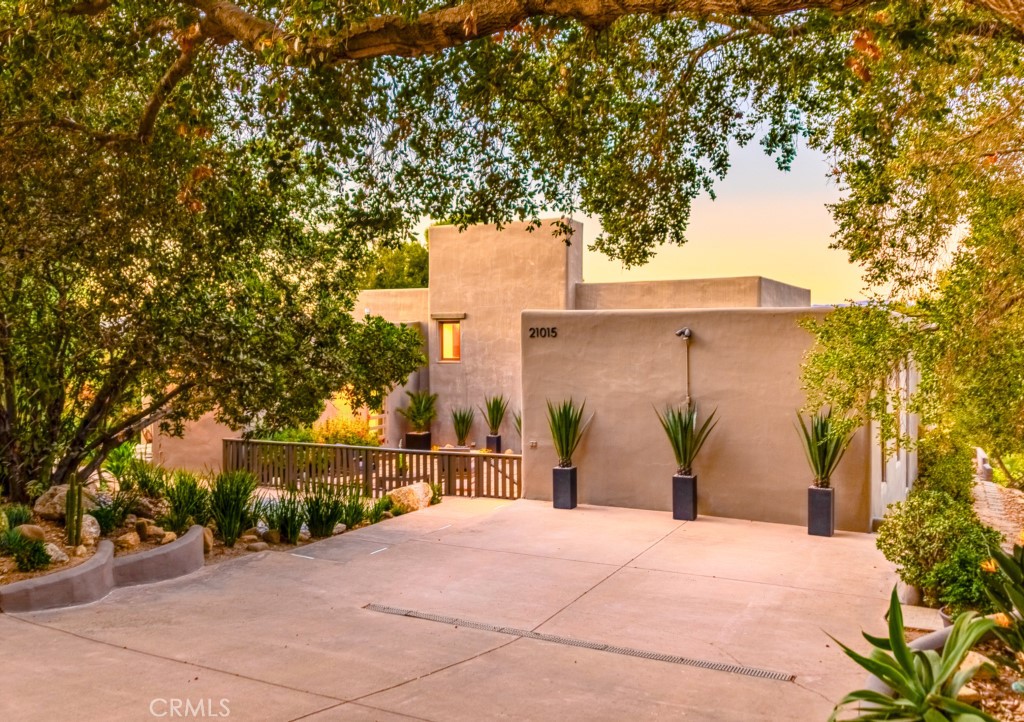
{"x":824,"y":445}
{"x":517,"y":421}
{"x":421,"y":411}
{"x":494,"y":411}
{"x":924,"y":683}
{"x":567,"y":426}
{"x":1003,"y":577}
{"x":680,"y":424}
{"x":462,"y":420}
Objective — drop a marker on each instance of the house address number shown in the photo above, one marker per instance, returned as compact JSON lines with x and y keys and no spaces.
{"x":543,"y":332}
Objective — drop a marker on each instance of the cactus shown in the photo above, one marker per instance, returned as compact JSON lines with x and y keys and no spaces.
{"x":74,"y":511}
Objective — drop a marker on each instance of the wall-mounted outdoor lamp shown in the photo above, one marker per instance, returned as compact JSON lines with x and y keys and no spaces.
{"x":686,"y":334}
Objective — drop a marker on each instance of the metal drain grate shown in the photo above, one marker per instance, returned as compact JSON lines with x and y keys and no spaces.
{"x":573,"y":642}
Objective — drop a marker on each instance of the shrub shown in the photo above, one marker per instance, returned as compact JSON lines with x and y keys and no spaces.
{"x":436,"y":492}
{"x":565,"y":420}
{"x":30,"y":555}
{"x":325,"y":505}
{"x":354,"y":432}
{"x":230,"y":502}
{"x":287,"y":514}
{"x":148,"y":479}
{"x":494,"y":411}
{"x":1014,"y":464}
{"x":824,"y":443}
{"x":462,"y":421}
{"x":932,"y":538}
{"x":353,"y":510}
{"x":18,"y":514}
{"x":685,"y":437}
{"x":421,"y":411}
{"x":189,"y":501}
{"x":375,"y":511}
{"x":119,"y":459}
{"x":945,"y":464}
{"x":110,"y":511}
{"x":10,"y":540}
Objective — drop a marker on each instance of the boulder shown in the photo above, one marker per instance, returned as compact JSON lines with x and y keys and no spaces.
{"x":252,"y":532}
{"x":154,"y":533}
{"x":80,"y":551}
{"x":130,"y":520}
{"x":249,"y":538}
{"x":57,"y":555}
{"x":414,"y":497}
{"x":150,"y":508}
{"x":168,"y":537}
{"x":207,"y":540}
{"x":90,"y":530}
{"x":257,"y":547}
{"x":339,"y":529}
{"x":272,"y":536}
{"x":142,"y":529}
{"x":986,"y":667}
{"x":127,"y":541}
{"x":31,"y":531}
{"x":387,"y":515}
{"x":304,"y":537}
{"x":968,"y":695}
{"x":53,"y":504}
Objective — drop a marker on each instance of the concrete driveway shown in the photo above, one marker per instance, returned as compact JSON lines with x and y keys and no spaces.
{"x":320,"y":634}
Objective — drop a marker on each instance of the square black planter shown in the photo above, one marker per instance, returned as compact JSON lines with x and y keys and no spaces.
{"x":494,"y":443}
{"x":563,"y":493}
{"x":419,"y":440}
{"x":684,"y":497}
{"x":821,"y":511}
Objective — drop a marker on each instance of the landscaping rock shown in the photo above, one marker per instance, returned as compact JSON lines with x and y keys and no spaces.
{"x":150,"y":508}
{"x":80,"y":551}
{"x":414,"y":497}
{"x":130,"y":520}
{"x":986,"y":667}
{"x":127,"y":541}
{"x":57,"y":555}
{"x":249,"y":538}
{"x":31,"y":531}
{"x":207,"y":540}
{"x":252,"y":532}
{"x":257,"y":547}
{"x":969,"y":695}
{"x":339,"y":529}
{"x":154,"y":532}
{"x":272,"y":536}
{"x":53,"y":504}
{"x":142,"y":529}
{"x":387,"y":515}
{"x":90,"y":530}
{"x":168,"y":537}
{"x":304,"y":537}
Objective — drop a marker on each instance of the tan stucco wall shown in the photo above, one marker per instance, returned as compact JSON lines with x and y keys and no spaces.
{"x":398,"y":305}
{"x":742,"y":292}
{"x":200,"y":449}
{"x":491,"y":276}
{"x":745,"y":362}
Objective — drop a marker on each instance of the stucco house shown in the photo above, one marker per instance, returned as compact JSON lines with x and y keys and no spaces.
{"x":508,"y":312}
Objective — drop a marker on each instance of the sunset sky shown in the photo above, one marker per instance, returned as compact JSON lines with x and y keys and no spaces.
{"x":763,"y":223}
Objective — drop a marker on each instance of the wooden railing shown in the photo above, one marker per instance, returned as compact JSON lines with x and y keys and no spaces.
{"x":290,"y":465}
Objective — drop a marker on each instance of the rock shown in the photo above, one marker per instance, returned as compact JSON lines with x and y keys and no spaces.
{"x":252,"y":532}
{"x":53,"y":504}
{"x":339,"y":529}
{"x":154,"y":532}
{"x":986,"y":667}
{"x":90,"y":530}
{"x":387,"y":515}
{"x":249,"y":538}
{"x":257,"y":547}
{"x":168,"y":537}
{"x":304,"y":537}
{"x":272,"y":536}
{"x":130,"y":520}
{"x":969,"y":695}
{"x":411,"y":498}
{"x":207,"y":540}
{"x":127,"y":541}
{"x":150,"y":508}
{"x":80,"y":551}
{"x":142,"y":529}
{"x":57,"y":555}
{"x":31,"y":531}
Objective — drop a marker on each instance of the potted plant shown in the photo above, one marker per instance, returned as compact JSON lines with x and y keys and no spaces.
{"x":824,"y":444}
{"x":517,"y":421}
{"x":680,"y":424}
{"x":421,"y":412}
{"x":494,"y":411}
{"x":567,"y":426}
{"x":462,"y":420}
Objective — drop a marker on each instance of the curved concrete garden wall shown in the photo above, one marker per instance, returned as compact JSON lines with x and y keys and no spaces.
{"x":93,"y":580}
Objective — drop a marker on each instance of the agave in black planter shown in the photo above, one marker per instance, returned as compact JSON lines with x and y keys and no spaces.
{"x":421,"y":412}
{"x":567,"y":426}
{"x":686,"y":438}
{"x":824,"y":444}
{"x":494,"y":411}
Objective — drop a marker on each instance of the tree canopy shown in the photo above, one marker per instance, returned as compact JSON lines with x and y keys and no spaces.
{"x":403,"y":266}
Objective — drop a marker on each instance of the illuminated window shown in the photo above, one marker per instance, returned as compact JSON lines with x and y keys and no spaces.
{"x":450,"y":333}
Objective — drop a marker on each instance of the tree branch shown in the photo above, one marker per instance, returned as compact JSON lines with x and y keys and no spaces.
{"x":178,"y":70}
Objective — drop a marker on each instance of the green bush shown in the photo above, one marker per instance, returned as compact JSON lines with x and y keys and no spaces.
{"x":110,"y":511}
{"x":353,"y":509}
{"x":189,"y":501}
{"x":1014,"y":464}
{"x":118,"y":460}
{"x":295,"y":435}
{"x":287,"y":514}
{"x":30,"y":555}
{"x":436,"y":493}
{"x":230,"y":503}
{"x":375,"y":511}
{"x":325,"y":505}
{"x":18,"y":514}
{"x":945,"y":464}
{"x":148,"y":479}
{"x":10,"y":540}
{"x":938,"y":544}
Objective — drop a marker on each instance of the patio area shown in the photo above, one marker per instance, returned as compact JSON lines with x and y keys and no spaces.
{"x":307,"y":635}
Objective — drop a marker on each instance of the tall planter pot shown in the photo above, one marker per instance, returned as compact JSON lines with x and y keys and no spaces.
{"x":419,"y":440}
{"x":684,"y":497}
{"x":563,"y":493}
{"x":494,"y":443}
{"x":821,"y":511}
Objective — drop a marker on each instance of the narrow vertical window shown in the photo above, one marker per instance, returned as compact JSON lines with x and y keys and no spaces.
{"x":451,"y":340}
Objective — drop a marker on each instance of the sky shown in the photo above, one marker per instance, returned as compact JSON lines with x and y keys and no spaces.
{"x":764,"y":222}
